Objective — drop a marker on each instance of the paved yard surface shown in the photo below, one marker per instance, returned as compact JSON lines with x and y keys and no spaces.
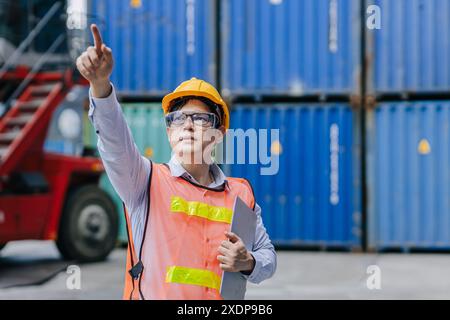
{"x":300,"y":275}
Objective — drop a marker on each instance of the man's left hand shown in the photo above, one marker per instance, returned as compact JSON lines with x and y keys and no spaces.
{"x":234,"y":257}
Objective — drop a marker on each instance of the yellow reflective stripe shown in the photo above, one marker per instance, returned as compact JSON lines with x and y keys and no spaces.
{"x":200,"y":209}
{"x":198,"y":277}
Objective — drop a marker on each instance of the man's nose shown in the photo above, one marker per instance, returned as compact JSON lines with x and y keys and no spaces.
{"x":188,"y":123}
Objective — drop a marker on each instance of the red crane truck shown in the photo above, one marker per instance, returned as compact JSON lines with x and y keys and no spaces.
{"x":44,"y":195}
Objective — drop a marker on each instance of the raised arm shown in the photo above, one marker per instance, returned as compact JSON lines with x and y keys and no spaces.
{"x":127,"y":170}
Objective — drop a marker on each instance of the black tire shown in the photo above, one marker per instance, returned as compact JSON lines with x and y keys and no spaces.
{"x":89,"y":225}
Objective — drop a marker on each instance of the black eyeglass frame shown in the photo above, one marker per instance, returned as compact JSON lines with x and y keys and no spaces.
{"x":169,"y":118}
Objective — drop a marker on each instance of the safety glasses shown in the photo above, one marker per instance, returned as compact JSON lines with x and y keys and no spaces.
{"x":199,"y":119}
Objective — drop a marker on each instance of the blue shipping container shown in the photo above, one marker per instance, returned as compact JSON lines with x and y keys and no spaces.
{"x":290,"y":47}
{"x":158,"y":44}
{"x":411,"y":50}
{"x":409,"y":175}
{"x":314,"y":198}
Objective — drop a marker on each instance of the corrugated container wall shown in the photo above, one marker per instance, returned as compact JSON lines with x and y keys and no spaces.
{"x":147,"y":125}
{"x":313,"y":199}
{"x":290,"y":47}
{"x":410,"y":53}
{"x":409,"y":175}
{"x":158,"y":44}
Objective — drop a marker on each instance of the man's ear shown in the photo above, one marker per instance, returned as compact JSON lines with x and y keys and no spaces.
{"x":222,"y":129}
{"x":168,"y":134}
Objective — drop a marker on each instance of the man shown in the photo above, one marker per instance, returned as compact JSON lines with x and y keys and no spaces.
{"x":178,"y":213}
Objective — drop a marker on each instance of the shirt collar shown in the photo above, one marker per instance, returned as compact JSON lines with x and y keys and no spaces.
{"x":177,"y":170}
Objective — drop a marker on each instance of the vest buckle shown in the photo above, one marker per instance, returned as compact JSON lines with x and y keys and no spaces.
{"x":136,"y":270}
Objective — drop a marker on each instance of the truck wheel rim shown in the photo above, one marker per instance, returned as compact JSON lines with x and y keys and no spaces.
{"x":93,"y":224}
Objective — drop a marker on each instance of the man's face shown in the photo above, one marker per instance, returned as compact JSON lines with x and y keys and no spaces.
{"x":193,"y":143}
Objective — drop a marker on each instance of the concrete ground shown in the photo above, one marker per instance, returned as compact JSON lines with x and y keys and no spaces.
{"x":300,"y":275}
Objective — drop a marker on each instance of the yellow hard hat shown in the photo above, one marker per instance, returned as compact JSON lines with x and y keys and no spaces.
{"x":201,"y":88}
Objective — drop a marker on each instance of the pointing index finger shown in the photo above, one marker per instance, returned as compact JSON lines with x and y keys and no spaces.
{"x":97,"y":38}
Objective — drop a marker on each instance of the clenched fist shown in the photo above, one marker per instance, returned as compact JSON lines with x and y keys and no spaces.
{"x":234,"y":257}
{"x":96,"y":64}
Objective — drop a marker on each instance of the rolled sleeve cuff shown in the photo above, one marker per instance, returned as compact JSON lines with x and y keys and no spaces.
{"x":252,"y":277}
{"x":102,"y":105}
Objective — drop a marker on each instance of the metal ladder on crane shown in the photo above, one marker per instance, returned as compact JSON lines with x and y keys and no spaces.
{"x":23,"y":127}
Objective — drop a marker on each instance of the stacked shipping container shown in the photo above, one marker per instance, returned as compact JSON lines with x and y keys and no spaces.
{"x":408,"y":141}
{"x":158,"y":44}
{"x":410,"y":53}
{"x":277,"y":49}
{"x":269,"y":49}
{"x":409,"y":175}
{"x":302,"y":51}
{"x":313,"y":196}
{"x":290,"y":47}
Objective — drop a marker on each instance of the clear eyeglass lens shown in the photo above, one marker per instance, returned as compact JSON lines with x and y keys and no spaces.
{"x":178,"y":118}
{"x":203,"y":119}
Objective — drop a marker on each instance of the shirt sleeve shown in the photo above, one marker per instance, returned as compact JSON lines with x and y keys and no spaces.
{"x":127,"y":170}
{"x":263,"y":252}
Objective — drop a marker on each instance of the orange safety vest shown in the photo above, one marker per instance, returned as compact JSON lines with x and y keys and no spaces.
{"x":185,"y":225}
